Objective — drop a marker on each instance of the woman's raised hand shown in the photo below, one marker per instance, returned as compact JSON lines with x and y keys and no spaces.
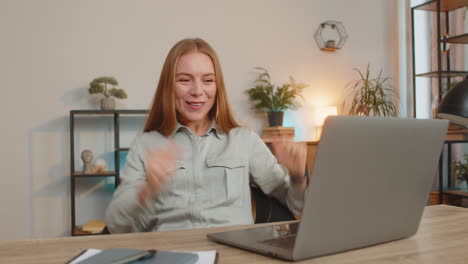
{"x":159,"y":163}
{"x":293,"y":156}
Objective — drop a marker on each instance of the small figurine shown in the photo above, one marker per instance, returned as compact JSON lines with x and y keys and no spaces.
{"x":88,"y":165}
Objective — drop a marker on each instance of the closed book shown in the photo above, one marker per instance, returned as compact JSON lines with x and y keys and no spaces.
{"x":137,"y":256}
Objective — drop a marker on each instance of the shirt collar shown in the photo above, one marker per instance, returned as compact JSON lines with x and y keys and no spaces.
{"x":213,"y":128}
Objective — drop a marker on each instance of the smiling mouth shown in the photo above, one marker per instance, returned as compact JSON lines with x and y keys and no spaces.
{"x":195,"y":105}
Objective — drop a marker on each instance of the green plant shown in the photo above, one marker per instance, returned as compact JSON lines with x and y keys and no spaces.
{"x":100,"y":86}
{"x":460,"y":169}
{"x":372,"y":96}
{"x":269,"y":97}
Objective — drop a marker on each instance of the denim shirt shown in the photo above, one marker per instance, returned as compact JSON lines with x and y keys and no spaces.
{"x":209,"y":184}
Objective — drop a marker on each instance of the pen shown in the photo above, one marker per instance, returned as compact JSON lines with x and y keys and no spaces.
{"x":139,"y":256}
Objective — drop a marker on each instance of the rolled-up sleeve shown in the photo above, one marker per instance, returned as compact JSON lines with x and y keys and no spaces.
{"x":272,"y":177}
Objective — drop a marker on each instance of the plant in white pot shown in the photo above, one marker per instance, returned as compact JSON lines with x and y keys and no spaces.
{"x":460,"y":170}
{"x":273,"y":99}
{"x":101,"y":86}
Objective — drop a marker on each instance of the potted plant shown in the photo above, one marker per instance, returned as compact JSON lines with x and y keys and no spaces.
{"x":372,"y":96}
{"x":330,"y":44}
{"x":272,"y":99}
{"x":460,"y":170}
{"x":100,"y":86}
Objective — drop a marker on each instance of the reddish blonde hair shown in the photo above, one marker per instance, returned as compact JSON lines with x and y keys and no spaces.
{"x":162,"y":115}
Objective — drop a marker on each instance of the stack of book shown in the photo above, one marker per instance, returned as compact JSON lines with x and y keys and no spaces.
{"x":94,"y":226}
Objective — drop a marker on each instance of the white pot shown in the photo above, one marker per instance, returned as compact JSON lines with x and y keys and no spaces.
{"x":108,"y":103}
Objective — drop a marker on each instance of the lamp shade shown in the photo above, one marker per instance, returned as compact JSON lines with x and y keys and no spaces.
{"x":454,"y":105}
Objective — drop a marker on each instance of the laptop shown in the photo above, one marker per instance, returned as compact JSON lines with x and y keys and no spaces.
{"x":370,"y":182}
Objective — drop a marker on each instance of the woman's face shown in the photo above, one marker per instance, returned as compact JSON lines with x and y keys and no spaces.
{"x":195,"y":87}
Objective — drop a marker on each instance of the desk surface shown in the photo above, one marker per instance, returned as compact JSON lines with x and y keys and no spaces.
{"x":442,"y":238}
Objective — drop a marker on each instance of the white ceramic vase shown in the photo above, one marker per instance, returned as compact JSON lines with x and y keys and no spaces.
{"x":108,"y":103}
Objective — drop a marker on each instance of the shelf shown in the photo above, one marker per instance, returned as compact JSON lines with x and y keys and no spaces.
{"x":457,"y":193}
{"x":329,"y":49}
{"x":97,"y":115}
{"x":445,"y":5}
{"x":459,"y":39}
{"x":457,"y":136}
{"x":108,"y":112}
{"x":444,"y":74}
{"x":456,"y":141}
{"x":98,"y":174}
{"x":79,"y":232}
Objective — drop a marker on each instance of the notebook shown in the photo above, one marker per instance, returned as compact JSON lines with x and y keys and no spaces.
{"x":370,"y":182}
{"x":124,"y":255}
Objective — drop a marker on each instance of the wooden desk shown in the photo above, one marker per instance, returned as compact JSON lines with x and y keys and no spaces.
{"x":442,"y":238}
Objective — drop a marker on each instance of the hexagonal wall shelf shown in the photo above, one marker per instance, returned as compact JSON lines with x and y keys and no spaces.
{"x":330,"y":35}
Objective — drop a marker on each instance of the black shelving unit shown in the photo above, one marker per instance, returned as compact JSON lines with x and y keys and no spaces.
{"x":460,"y":39}
{"x":443,"y":74}
{"x":442,"y":10}
{"x":449,"y":189}
{"x":439,"y":7}
{"x":116,"y":114}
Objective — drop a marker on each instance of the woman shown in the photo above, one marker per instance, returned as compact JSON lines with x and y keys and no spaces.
{"x":192,"y":165}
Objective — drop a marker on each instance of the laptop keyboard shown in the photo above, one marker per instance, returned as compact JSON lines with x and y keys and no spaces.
{"x":286,"y":242}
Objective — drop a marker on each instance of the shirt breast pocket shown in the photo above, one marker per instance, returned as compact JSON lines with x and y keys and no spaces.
{"x":226,"y":180}
{"x":174,"y":194}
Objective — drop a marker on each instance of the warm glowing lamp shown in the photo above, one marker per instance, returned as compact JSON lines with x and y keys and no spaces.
{"x":320,"y":115}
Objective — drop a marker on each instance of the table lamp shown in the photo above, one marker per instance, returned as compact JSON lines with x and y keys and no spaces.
{"x":454,"y":105}
{"x":321,"y":114}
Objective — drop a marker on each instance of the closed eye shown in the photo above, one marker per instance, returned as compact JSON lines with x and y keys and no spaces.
{"x":183,"y":80}
{"x":209,"y":80}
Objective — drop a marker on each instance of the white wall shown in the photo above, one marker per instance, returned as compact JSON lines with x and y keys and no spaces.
{"x":51,"y":49}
